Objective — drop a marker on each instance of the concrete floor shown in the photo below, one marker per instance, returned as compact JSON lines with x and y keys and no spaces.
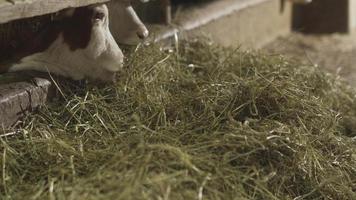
{"x":336,"y":53}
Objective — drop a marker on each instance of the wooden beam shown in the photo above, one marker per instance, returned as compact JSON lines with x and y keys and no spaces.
{"x":18,"y":9}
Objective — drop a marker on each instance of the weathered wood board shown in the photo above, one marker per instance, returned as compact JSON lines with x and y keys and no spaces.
{"x":19,"y":98}
{"x":18,"y":9}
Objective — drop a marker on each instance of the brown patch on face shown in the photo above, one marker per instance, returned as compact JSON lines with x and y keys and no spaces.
{"x":78,"y":28}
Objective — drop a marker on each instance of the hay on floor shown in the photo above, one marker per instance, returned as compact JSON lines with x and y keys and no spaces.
{"x":204,"y":122}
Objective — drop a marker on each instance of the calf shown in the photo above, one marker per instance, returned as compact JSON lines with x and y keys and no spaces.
{"x":126,"y":26}
{"x":79,"y":45}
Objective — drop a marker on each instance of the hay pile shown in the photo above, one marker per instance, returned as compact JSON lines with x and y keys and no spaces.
{"x":203,"y":123}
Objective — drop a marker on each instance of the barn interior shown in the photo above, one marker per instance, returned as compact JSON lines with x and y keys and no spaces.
{"x":281,"y":125}
{"x":309,"y":32}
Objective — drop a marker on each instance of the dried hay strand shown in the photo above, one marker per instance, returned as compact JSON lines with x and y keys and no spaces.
{"x":204,"y":122}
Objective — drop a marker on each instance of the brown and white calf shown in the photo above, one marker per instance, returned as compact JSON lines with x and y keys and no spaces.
{"x":79,"y":43}
{"x":78,"y":46}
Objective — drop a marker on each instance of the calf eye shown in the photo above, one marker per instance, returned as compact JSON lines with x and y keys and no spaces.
{"x":99,"y":16}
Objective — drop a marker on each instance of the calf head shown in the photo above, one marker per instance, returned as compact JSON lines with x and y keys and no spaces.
{"x":79,"y":45}
{"x":126,"y":26}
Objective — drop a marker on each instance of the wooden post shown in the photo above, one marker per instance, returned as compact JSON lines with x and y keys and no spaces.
{"x":167,"y":10}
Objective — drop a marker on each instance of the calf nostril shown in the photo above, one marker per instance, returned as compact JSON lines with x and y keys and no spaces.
{"x":99,"y":16}
{"x":143,"y":33}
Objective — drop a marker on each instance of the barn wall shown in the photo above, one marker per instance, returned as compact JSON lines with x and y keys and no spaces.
{"x":323,"y":16}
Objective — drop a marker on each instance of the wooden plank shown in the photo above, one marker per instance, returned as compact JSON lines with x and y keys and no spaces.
{"x":21,"y":97}
{"x":18,"y":9}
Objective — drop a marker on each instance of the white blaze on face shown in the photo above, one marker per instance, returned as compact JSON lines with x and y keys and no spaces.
{"x":125,"y":25}
{"x":78,"y":46}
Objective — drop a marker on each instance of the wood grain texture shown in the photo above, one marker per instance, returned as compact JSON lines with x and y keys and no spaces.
{"x":19,"y":98}
{"x":18,"y":9}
